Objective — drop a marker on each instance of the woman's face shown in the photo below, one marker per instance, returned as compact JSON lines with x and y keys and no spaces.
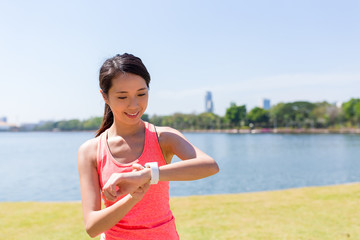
{"x":127,"y":98}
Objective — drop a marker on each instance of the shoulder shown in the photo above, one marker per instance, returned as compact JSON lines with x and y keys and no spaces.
{"x":173,"y":142}
{"x":88,"y":151}
{"x":168,"y":134}
{"x":89,"y":146}
{"x":170,"y":138}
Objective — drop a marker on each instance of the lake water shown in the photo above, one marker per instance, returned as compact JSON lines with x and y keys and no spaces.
{"x":42,"y":166}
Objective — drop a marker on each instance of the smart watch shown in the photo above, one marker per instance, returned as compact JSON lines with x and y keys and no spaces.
{"x":154,"y":172}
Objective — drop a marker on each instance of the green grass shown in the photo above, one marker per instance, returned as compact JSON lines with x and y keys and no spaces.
{"x":329,"y":213}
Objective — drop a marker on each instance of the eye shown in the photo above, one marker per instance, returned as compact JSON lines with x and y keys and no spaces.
{"x":121,"y":97}
{"x":142,"y":94}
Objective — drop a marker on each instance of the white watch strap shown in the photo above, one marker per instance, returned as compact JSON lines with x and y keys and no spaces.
{"x":154,"y":172}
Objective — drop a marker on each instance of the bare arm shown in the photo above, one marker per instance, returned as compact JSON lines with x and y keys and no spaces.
{"x":195,"y":165}
{"x":99,"y":220}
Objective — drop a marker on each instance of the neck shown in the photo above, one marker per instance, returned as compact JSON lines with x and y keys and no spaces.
{"x":121,"y":129}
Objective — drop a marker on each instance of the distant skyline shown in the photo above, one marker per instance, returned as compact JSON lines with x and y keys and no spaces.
{"x":241,"y":51}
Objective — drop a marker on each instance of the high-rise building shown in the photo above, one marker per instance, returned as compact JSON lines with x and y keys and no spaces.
{"x":265,"y":104}
{"x":3,"y":119}
{"x":209,"y":105}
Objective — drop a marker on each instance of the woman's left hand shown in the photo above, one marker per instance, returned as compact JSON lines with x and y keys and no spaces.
{"x":123,"y":183}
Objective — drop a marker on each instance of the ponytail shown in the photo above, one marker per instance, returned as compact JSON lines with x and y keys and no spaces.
{"x":107,"y":120}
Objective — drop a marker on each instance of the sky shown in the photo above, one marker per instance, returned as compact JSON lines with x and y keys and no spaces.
{"x":241,"y":51}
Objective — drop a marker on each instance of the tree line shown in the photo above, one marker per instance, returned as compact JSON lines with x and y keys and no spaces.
{"x":299,"y":114}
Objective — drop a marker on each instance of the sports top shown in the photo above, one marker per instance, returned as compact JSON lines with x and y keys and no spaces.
{"x":151,"y":217}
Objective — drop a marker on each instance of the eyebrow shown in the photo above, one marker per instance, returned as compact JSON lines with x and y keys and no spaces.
{"x":127,"y":92}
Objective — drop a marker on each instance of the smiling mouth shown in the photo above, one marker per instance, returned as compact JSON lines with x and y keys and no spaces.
{"x":132,"y":115}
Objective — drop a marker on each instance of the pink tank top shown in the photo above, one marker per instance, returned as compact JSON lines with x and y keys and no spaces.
{"x":151,"y":218}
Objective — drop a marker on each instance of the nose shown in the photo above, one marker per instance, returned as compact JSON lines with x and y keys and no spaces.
{"x":133,"y":103}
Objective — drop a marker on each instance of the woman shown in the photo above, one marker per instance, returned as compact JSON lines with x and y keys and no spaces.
{"x":111,"y":166}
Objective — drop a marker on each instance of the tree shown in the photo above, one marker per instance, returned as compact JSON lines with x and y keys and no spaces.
{"x":46,"y":126}
{"x":259,"y":117}
{"x":357,"y":112}
{"x":295,"y":114}
{"x":92,"y":123}
{"x":325,"y":115}
{"x":156,"y":120}
{"x":274,"y":114}
{"x":352,"y":111}
{"x":69,"y":125}
{"x":236,"y":115}
{"x":145,"y":117}
{"x":208,"y":120}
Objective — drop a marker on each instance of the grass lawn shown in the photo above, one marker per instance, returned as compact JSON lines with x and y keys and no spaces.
{"x":329,"y":213}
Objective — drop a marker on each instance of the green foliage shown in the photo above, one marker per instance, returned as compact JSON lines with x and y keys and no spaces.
{"x":145,"y":117}
{"x":208,"y":120}
{"x":325,"y":115}
{"x":357,"y":111}
{"x":71,"y":125}
{"x":188,"y":121}
{"x":294,"y":115}
{"x":45,"y":126}
{"x":352,"y":111}
{"x":92,"y":123}
{"x":259,"y":117}
{"x":236,"y":115}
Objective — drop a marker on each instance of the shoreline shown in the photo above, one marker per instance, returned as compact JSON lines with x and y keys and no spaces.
{"x":279,"y":131}
{"x":235,"y":131}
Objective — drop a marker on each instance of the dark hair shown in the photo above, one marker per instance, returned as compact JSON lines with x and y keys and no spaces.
{"x":125,"y":63}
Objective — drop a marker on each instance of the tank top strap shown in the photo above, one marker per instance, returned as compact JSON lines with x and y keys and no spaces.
{"x":150,"y":128}
{"x":101,"y":156}
{"x":101,"y":148}
{"x":152,"y":152}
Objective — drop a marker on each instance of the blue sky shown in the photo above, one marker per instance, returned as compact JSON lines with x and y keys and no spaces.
{"x":242,"y":51}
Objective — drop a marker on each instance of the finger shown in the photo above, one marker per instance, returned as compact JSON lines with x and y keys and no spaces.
{"x":110,"y":186}
{"x":109,"y":191}
{"x":137,"y":167}
{"x":109,"y":197}
{"x":112,"y":190}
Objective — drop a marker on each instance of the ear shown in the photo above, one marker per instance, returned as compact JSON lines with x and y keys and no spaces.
{"x":105,"y":97}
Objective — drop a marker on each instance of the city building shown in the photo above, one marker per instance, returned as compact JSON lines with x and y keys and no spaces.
{"x":209,"y":105}
{"x":265,"y":104}
{"x":6,"y":126}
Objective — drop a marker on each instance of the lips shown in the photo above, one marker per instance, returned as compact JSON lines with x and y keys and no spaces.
{"x":132,"y":115}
